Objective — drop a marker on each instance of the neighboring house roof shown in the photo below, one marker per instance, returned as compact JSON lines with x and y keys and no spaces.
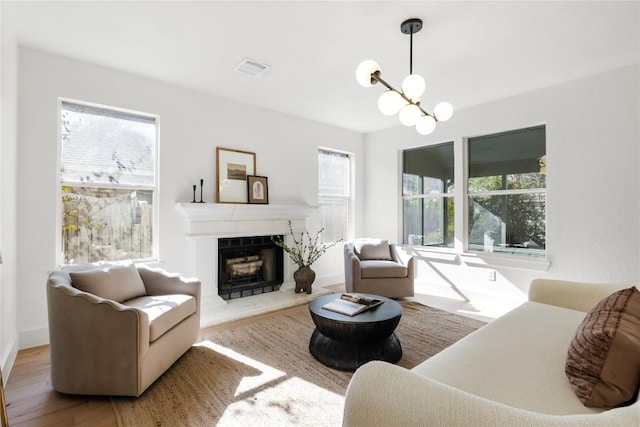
{"x":101,"y":146}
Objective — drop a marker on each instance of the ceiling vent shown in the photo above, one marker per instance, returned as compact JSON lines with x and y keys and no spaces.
{"x":251,"y":68}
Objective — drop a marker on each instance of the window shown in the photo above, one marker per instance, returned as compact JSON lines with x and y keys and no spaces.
{"x":507,"y":193}
{"x":334,"y":194}
{"x":427,"y":194}
{"x":107,"y":182}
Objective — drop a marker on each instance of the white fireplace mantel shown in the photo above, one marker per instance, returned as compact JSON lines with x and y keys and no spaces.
{"x":222,"y":219}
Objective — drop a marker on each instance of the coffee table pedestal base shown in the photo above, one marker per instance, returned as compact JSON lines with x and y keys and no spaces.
{"x":349,"y":356}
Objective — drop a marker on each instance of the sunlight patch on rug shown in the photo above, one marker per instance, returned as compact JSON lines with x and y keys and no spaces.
{"x":291,"y":402}
{"x":265,"y":374}
{"x":288,"y":400}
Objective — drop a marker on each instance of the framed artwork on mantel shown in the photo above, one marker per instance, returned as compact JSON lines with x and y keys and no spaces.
{"x":233,"y":167}
{"x":258,"y":189}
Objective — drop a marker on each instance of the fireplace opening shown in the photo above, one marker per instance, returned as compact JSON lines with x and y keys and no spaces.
{"x":249,"y":266}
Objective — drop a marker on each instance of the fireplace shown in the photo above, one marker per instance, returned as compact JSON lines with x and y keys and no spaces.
{"x":209,"y":223}
{"x":249,"y":266}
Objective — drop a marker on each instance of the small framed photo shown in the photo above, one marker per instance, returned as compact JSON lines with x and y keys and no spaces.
{"x":258,"y":189}
{"x":233,"y":167}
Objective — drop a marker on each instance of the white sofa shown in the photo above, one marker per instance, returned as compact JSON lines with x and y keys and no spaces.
{"x":507,"y":373}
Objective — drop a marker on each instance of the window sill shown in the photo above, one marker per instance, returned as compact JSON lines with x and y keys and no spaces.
{"x":432,"y":253}
{"x":514,"y":261}
{"x":474,"y":259}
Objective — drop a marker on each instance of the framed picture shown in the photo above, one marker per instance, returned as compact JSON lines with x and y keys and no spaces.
{"x":258,"y":189}
{"x":233,"y":167}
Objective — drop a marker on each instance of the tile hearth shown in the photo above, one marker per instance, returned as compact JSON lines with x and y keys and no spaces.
{"x":241,"y":308}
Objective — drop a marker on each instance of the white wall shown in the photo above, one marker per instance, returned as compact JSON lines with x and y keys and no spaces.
{"x":192,"y":125}
{"x":8,"y":190}
{"x":593,"y":189}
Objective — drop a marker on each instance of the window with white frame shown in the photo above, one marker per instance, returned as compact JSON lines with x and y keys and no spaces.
{"x":334,"y":194}
{"x":108,"y":183}
{"x":507,"y":192}
{"x":427,"y":195}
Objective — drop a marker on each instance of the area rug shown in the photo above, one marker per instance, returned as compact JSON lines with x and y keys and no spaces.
{"x":262,"y":374}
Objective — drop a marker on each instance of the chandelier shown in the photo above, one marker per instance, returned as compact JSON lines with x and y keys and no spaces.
{"x":405,"y":102}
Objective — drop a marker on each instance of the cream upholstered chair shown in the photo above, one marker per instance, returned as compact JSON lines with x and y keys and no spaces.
{"x":375,"y":266}
{"x":114,"y":329}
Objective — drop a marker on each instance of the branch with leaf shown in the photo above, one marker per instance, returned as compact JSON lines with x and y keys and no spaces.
{"x":305,"y":251}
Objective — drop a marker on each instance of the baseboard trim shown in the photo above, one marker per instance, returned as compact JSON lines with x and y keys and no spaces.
{"x":9,"y":359}
{"x":34,"y":338}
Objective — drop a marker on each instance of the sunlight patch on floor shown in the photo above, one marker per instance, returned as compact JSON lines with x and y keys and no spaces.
{"x":475,"y":304}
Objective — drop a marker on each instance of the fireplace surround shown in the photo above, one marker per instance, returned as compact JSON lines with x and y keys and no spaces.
{"x":208,"y":223}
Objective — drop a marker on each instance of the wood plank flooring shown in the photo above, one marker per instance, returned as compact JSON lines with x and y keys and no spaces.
{"x":32,"y":402}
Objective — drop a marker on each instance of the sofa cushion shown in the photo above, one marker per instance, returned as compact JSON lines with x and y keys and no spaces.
{"x":518,"y":360}
{"x":114,"y":282}
{"x":164,"y":311}
{"x":368,"y":249}
{"x":375,"y":269}
{"x":603,"y":361}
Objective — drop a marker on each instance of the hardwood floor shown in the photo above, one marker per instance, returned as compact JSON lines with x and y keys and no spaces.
{"x":32,"y":402}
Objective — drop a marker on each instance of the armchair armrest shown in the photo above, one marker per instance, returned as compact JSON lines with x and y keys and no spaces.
{"x":579,"y":296}
{"x":352,"y":273}
{"x":157,"y":281}
{"x":97,"y":340}
{"x":380,"y":393}
{"x":401,"y":257}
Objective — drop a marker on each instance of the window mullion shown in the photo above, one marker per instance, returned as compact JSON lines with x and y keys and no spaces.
{"x":461,"y":222}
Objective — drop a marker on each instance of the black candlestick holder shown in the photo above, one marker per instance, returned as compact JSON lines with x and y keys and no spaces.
{"x":201,"y":185}
{"x":194,"y":194}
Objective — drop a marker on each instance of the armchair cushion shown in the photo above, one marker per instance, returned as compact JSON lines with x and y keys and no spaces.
{"x":113,"y":282}
{"x":375,"y":269}
{"x":369,"y":249}
{"x":164,"y":311}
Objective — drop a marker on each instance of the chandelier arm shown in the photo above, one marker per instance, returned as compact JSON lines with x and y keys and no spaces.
{"x":424,"y":111}
{"x":376,"y":76}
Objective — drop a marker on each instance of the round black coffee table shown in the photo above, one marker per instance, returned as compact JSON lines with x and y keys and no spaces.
{"x":346,"y":342}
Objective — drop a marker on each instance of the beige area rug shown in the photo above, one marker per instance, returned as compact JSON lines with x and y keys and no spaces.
{"x":262,"y":374}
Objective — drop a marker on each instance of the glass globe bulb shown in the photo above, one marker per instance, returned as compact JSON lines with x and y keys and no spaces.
{"x":413,"y":86}
{"x":409,"y":114}
{"x":425,"y":125}
{"x":390,"y":102}
{"x":364,"y":71}
{"x":443,"y":111}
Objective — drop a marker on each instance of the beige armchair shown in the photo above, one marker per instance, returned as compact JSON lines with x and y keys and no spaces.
{"x":377,"y":267}
{"x":115,"y":329}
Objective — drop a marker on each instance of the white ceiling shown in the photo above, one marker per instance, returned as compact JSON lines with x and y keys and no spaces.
{"x":469,"y":52}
